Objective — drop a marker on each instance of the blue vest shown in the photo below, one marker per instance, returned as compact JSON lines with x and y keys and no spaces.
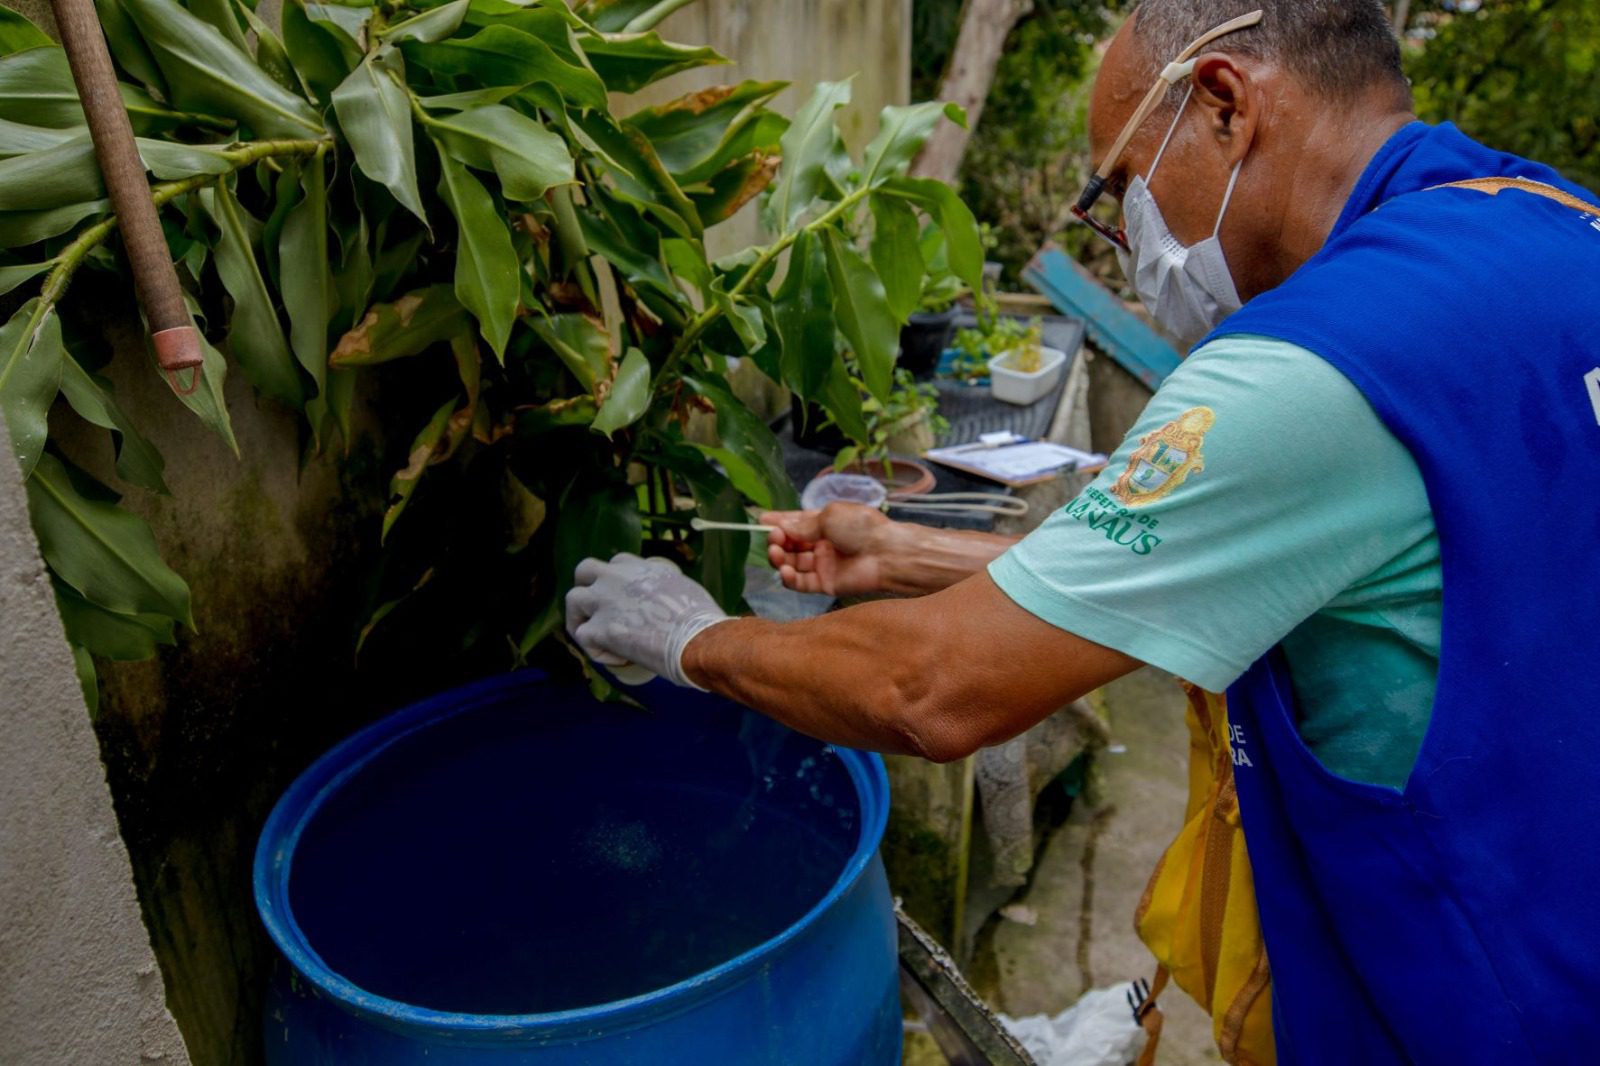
{"x":1457,"y":921}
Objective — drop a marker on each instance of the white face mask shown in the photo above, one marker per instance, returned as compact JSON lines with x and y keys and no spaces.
{"x":1189,"y":290}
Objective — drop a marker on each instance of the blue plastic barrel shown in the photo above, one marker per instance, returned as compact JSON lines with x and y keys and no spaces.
{"x":512,"y":873}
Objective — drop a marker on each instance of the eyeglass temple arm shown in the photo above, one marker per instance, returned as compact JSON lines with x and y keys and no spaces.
{"x":1175,"y":72}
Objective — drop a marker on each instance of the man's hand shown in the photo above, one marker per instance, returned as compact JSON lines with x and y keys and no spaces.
{"x":838,"y":551}
{"x":642,"y":613}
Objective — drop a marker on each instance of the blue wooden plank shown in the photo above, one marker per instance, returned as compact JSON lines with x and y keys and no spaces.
{"x":1113,"y":328}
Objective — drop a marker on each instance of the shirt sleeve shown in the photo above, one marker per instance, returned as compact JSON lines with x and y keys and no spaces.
{"x":1256,"y":487}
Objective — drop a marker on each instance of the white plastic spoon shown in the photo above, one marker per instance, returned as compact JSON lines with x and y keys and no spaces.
{"x":701,"y":525}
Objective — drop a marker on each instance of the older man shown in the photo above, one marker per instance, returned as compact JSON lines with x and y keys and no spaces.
{"x":1367,"y":506}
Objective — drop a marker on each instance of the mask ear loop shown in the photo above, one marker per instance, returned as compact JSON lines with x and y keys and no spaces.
{"x":1227,"y":197}
{"x":1172,"y":129}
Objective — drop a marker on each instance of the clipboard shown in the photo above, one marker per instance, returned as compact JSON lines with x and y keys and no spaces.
{"x":1016,"y":465}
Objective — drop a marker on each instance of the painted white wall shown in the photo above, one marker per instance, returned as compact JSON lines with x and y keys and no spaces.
{"x":78,"y":981}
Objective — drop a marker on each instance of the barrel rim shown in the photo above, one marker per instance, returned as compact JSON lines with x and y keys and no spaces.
{"x":323,"y":778}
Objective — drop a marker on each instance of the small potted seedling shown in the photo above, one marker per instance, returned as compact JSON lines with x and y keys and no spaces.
{"x":908,"y":424}
{"x":1026,"y":371}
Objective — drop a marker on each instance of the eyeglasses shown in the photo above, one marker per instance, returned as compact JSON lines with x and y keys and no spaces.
{"x":1176,"y":71}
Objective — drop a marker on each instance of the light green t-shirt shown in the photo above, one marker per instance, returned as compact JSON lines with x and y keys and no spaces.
{"x":1259,"y":500}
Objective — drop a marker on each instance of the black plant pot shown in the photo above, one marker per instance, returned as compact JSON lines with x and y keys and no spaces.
{"x":811,"y":428}
{"x":924,"y":339}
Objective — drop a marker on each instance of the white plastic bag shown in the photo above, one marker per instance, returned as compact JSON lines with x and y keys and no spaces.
{"x":1098,"y":1030}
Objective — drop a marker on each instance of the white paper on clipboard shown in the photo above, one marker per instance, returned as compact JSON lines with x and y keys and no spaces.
{"x":1018,"y":463}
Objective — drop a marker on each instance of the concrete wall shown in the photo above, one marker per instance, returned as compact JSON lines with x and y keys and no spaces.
{"x":78,"y":981}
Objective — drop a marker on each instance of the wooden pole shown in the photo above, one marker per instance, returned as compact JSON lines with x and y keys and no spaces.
{"x":172,"y":332}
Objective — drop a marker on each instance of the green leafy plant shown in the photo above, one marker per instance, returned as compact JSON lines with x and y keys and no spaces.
{"x":994,"y":336}
{"x":443,"y":191}
{"x":912,"y":409}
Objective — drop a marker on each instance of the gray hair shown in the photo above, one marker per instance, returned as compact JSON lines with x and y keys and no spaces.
{"x":1338,"y":48}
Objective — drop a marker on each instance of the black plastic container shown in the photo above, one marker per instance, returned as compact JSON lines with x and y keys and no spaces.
{"x":923,"y":339}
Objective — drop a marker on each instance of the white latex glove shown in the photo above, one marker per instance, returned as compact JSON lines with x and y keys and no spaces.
{"x":635,"y":616}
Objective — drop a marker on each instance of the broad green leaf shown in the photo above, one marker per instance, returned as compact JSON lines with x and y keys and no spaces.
{"x":103,"y":552}
{"x":18,"y":229}
{"x":627,"y":62}
{"x":307,"y":285}
{"x":355,"y":276}
{"x":863,"y":314}
{"x":376,"y":116}
{"x":962,"y":241}
{"x":207,"y":72}
{"x":30,"y":375}
{"x":12,"y":276}
{"x":16,"y":138}
{"x":902,"y":131}
{"x":897,"y":254}
{"x":387,"y":608}
{"x":501,"y":55}
{"x":612,"y":15}
{"x":690,"y":133}
{"x":808,"y":149}
{"x":748,"y":447}
{"x":138,"y":463}
{"x":738,"y":184}
{"x":349,"y":19}
{"x":404,"y":483}
{"x":618,"y":231}
{"x":322,"y":53}
{"x":803,"y":308}
{"x":842,"y":400}
{"x":271,"y":54}
{"x":17,"y":34}
{"x":406,"y":327}
{"x":488,"y":275}
{"x":742,"y":316}
{"x":220,"y":13}
{"x":594,"y":519}
{"x":208,"y":402}
{"x":127,"y":46}
{"x":108,"y":634}
{"x":653,"y":15}
{"x":629,"y":397}
{"x":581,"y":343}
{"x":255,"y":335}
{"x":56,"y":177}
{"x":172,"y":162}
{"x":471,"y":98}
{"x":629,"y":158}
{"x":430,"y":26}
{"x":36,"y":87}
{"x":528,"y":158}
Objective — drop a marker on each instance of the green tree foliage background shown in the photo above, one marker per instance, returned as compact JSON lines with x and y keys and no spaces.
{"x":1521,"y":75}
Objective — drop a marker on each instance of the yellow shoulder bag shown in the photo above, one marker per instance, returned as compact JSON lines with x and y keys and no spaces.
{"x":1198,"y":914}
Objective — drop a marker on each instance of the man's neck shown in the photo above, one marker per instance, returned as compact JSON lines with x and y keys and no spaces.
{"x":1329,"y":161}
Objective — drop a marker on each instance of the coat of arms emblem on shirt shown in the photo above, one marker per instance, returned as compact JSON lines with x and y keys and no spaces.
{"x":1165,"y":459}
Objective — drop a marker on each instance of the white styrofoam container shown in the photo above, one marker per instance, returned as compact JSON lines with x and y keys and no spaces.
{"x":1013,"y":386}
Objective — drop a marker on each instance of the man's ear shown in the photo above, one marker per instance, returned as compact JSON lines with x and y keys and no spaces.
{"x":1225,"y":92}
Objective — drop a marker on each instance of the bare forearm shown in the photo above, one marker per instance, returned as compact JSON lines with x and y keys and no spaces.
{"x":938,"y":677}
{"x":814,"y":676}
{"x":926,"y":560}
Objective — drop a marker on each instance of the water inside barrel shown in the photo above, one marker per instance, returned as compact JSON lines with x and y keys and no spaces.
{"x":516,"y":863}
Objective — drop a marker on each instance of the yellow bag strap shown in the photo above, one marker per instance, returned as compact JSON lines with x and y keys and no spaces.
{"x":1495,"y":186}
{"x":1149,"y":1017}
